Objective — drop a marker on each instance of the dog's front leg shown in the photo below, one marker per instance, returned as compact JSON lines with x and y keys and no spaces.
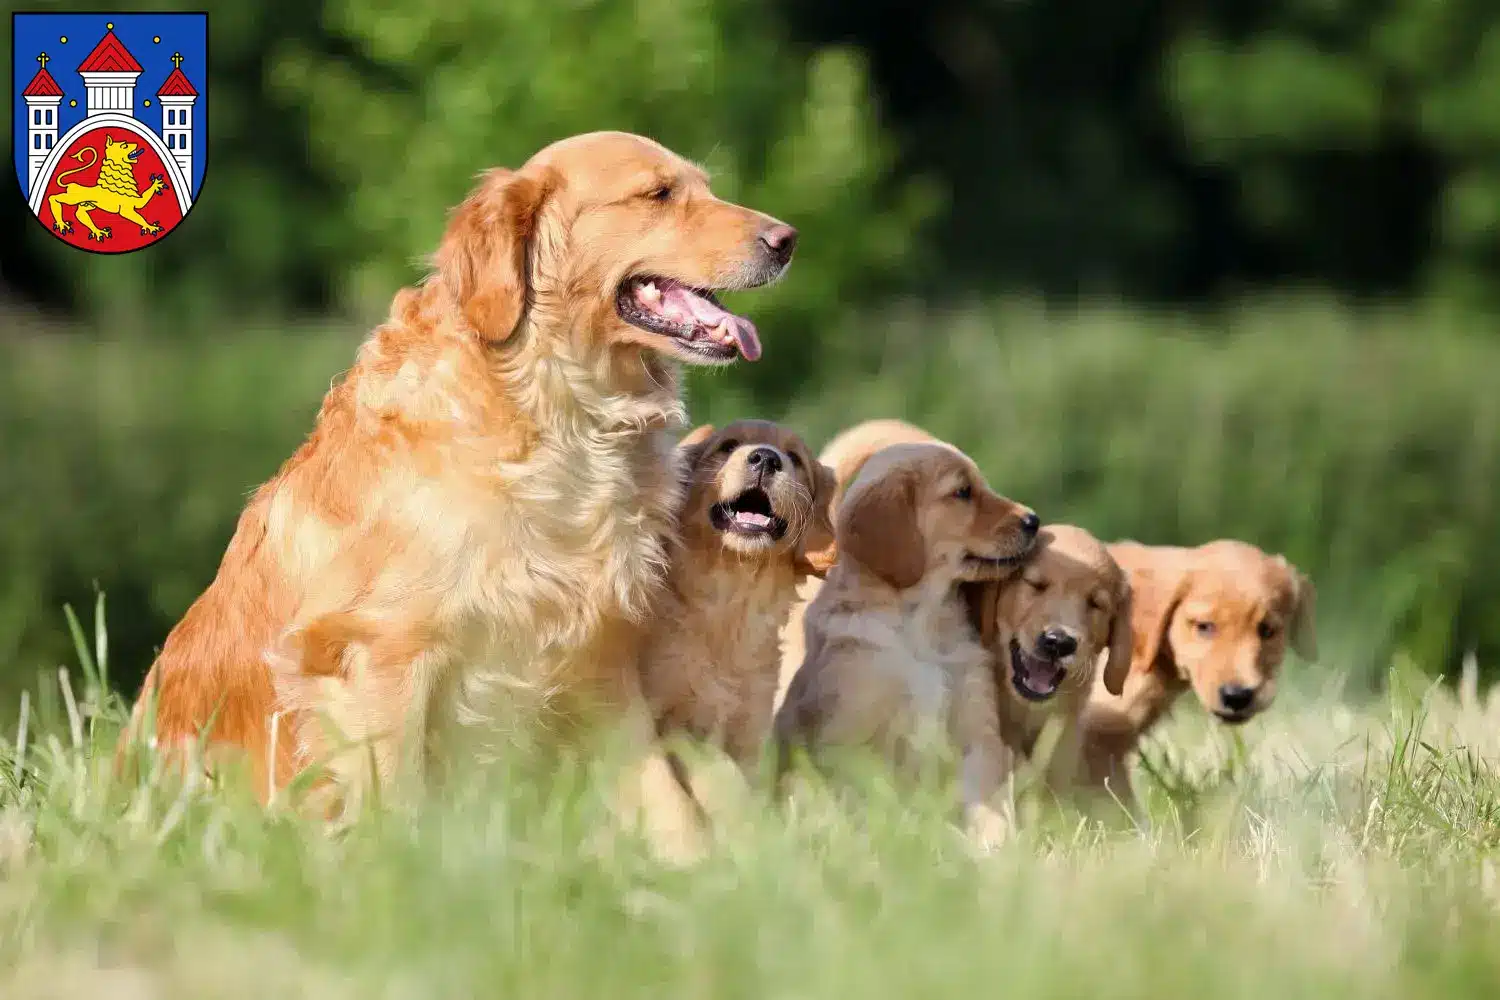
{"x":986,"y":762}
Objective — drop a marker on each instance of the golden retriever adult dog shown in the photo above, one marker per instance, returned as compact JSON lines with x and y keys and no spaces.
{"x":892,"y":662}
{"x":1047,"y":628}
{"x":1219,"y":619}
{"x":755,"y":524}
{"x":478,"y":523}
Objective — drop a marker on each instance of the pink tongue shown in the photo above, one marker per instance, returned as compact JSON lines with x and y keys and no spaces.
{"x":752,"y":519}
{"x":679,"y":303}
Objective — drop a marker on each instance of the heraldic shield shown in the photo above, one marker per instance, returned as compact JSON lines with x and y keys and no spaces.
{"x":110,"y":123}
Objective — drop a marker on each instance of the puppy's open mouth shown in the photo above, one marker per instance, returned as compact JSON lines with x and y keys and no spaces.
{"x":702,"y":329}
{"x":750,"y":513}
{"x":1234,"y":718}
{"x":1035,"y":678}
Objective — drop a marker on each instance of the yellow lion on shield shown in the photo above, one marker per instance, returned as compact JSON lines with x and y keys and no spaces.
{"x":115,"y":192}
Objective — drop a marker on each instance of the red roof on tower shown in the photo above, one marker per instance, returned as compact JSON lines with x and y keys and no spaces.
{"x":176,"y":85}
{"x":110,"y":56}
{"x":42,"y":85}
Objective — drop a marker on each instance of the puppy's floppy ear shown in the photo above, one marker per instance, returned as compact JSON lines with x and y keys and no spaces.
{"x":1155,"y":592}
{"x":817,"y":550}
{"x":878,"y":527}
{"x":1121,"y":638}
{"x":689,"y":450}
{"x":1303,"y":631}
{"x":484,"y":257}
{"x":982,"y":603}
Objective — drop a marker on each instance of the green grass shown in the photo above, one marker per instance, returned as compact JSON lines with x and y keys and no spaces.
{"x":1326,"y":851}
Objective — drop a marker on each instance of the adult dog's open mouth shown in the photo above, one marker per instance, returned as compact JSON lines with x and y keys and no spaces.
{"x":690,"y":316}
{"x":750,"y":513}
{"x":1035,"y":678}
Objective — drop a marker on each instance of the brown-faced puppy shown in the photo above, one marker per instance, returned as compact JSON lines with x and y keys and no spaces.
{"x":755,"y":523}
{"x":1219,"y":619}
{"x":892,"y":663}
{"x":1047,"y":629}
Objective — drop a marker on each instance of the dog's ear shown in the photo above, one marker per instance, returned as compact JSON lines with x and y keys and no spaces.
{"x":1156,"y":589}
{"x":877,"y":526}
{"x":817,"y":550}
{"x":1303,"y":633}
{"x":1121,"y":638}
{"x":484,"y":257}
{"x":689,"y":451}
{"x":982,"y":605}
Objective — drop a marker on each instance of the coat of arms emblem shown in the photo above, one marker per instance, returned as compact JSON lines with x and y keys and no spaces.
{"x":109,"y":123}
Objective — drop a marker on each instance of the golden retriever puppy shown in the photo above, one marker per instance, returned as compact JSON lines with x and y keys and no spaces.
{"x":1047,"y":629}
{"x":1219,"y":619}
{"x":892,"y":662}
{"x":755,"y":523}
{"x":477,"y":525}
{"x":846,"y":454}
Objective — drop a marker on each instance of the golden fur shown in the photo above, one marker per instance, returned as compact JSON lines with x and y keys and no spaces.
{"x":1069,"y":607}
{"x":846,"y":454}
{"x":892,"y":662}
{"x":1219,"y":619}
{"x":711,"y":658}
{"x":476,"y":530}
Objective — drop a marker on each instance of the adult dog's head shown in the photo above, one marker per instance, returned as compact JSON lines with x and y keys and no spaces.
{"x":755,"y":490}
{"x":921,"y":510}
{"x":608,"y":240}
{"x":1221,"y":616}
{"x":1049,"y":625}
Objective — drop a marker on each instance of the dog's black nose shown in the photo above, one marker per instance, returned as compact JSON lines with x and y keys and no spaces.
{"x":764,"y":459}
{"x":1055,"y":644}
{"x":1235,"y":697}
{"x":1031,"y":524}
{"x":781,"y":241}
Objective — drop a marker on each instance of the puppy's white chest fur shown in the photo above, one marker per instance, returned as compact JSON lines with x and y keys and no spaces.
{"x":925,"y":644}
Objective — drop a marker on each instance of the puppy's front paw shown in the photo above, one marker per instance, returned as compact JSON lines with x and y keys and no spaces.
{"x":988,"y":828}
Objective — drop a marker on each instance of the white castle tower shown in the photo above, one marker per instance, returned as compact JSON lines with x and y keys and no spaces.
{"x":109,"y":74}
{"x":177,"y":98}
{"x":42,"y":96}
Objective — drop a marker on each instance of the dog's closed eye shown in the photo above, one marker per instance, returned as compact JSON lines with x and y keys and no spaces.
{"x":728,"y":445}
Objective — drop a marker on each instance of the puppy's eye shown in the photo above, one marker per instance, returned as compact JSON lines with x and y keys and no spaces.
{"x":1204,"y":630}
{"x":1037,"y":584}
{"x":964,"y":493}
{"x":1265,"y":630}
{"x":1096,"y":605}
{"x":662,"y":192}
{"x":728,"y":445}
{"x":796,"y":459}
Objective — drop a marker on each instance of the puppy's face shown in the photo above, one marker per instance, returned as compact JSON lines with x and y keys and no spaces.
{"x":915,"y":510}
{"x":612,"y":238}
{"x":755,"y":489}
{"x":1049,"y":625}
{"x":1232,"y":613}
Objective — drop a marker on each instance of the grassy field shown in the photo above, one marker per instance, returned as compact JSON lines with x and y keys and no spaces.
{"x":1325,"y":851}
{"x":1345,"y":845}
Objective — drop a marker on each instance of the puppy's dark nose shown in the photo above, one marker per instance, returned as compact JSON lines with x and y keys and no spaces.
{"x":764,"y":460}
{"x":780,"y":241}
{"x":1031,"y":524}
{"x":1055,"y":644}
{"x":1235,"y":697}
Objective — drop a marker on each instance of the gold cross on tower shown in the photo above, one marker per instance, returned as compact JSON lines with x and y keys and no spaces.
{"x":44,"y":59}
{"x":177,"y":60}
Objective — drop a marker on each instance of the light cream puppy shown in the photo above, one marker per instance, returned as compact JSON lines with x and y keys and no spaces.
{"x":893,"y":664}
